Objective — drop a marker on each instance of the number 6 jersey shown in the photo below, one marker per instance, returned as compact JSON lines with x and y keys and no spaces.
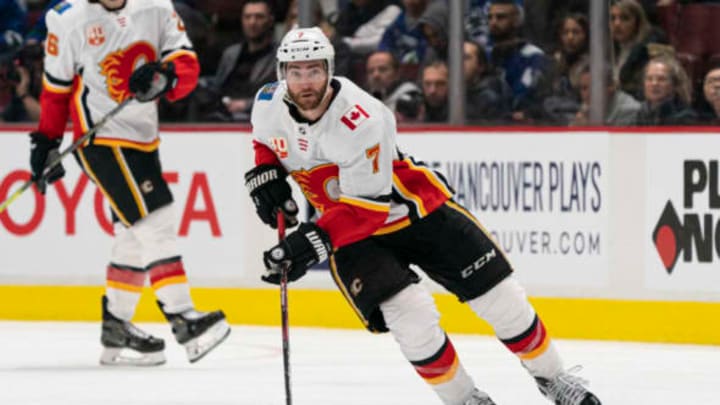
{"x":91,"y":52}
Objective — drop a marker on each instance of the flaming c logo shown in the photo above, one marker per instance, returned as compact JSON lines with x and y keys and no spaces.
{"x":319,"y":185}
{"x":118,"y":66}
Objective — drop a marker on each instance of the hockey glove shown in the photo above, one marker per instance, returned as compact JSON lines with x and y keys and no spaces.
{"x":152,"y":80}
{"x":43,"y":151}
{"x":302,"y":249}
{"x":270,"y":192}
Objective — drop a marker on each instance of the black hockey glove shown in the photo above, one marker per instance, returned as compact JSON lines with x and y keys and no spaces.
{"x":152,"y":80}
{"x":44,"y":150}
{"x":305,"y":247}
{"x":270,"y":192}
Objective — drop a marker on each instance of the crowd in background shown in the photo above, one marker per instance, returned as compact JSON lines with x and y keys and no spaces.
{"x":524,"y":62}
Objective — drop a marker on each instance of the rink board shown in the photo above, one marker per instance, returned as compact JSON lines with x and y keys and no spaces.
{"x":578,"y":213}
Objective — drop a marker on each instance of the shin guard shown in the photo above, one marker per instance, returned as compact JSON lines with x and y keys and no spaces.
{"x":413,"y":320}
{"x":125,"y":275}
{"x":507,"y":310}
{"x":168,"y":280}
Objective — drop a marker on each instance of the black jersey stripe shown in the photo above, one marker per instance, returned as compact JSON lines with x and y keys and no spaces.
{"x":57,"y":82}
{"x":169,"y":51}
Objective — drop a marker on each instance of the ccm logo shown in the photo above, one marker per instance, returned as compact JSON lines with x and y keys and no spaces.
{"x":478,"y":264}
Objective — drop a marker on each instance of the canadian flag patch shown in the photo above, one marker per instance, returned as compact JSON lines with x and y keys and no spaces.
{"x":354,"y":116}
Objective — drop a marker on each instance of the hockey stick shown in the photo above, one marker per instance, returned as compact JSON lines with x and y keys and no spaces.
{"x":70,"y":149}
{"x":284,"y":312}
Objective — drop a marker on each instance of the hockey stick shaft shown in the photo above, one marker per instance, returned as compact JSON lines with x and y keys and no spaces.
{"x":284,"y":312}
{"x":70,"y":149}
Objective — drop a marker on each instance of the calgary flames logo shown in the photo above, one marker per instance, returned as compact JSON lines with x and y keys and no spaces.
{"x":118,"y":66}
{"x":319,"y":185}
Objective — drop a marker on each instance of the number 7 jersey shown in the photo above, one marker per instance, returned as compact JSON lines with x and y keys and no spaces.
{"x":346,"y":163}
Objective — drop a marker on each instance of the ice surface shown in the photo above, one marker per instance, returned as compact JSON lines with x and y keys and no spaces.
{"x":43,"y":363}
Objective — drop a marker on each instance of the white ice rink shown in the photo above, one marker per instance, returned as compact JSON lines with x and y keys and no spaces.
{"x":57,"y":363}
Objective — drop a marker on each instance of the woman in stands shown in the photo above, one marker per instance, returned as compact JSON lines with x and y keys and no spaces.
{"x":635,"y":41}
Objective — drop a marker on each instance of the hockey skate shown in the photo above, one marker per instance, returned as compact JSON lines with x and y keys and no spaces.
{"x":126,"y":345}
{"x":479,"y":398}
{"x":198,"y":332}
{"x":567,"y":389}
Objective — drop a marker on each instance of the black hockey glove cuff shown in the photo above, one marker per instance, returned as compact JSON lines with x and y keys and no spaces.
{"x":44,"y":151}
{"x":302,"y":249}
{"x":270,"y":192}
{"x":152,"y":80}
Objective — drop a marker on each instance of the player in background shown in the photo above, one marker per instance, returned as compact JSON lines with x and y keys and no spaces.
{"x":98,"y":53}
{"x":380,"y":210}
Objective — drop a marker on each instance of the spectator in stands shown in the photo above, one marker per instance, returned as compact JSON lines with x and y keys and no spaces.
{"x":245,"y":66}
{"x":621,"y":108}
{"x":384,"y":83}
{"x":635,"y":41}
{"x":404,"y":37}
{"x":525,"y":65}
{"x":667,"y":94}
{"x":541,"y":17}
{"x":489,"y":98}
{"x":476,"y":22}
{"x":362,"y":23}
{"x":12,"y":24}
{"x":571,"y":57}
{"x":435,"y":92}
{"x":20,"y":84}
{"x":434,"y":26}
{"x":709,"y":109}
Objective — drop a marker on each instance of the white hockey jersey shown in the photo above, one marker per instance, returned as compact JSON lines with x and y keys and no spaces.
{"x":90,"y":55}
{"x":347,"y":162}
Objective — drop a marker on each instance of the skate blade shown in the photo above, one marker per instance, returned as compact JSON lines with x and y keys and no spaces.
{"x":112,"y":356}
{"x":197,"y":348}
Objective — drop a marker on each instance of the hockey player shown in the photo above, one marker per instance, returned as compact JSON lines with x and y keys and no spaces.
{"x":380,"y":211}
{"x":97,"y":54}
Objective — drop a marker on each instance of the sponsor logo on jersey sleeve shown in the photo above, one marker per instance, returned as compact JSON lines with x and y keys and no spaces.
{"x":62,"y":7}
{"x":268,"y":91}
{"x":354,"y":116}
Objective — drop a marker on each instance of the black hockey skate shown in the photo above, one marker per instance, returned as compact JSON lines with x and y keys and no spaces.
{"x":199,"y":332}
{"x":567,"y":389}
{"x":126,"y":345}
{"x":479,"y":398}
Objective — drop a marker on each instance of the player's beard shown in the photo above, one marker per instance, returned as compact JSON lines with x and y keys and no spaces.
{"x":308,"y":99}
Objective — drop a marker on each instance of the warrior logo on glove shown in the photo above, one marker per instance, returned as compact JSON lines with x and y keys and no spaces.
{"x":270,"y":192}
{"x":302,"y":249}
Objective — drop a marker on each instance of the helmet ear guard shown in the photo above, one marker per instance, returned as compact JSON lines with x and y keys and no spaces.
{"x":305,"y":44}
